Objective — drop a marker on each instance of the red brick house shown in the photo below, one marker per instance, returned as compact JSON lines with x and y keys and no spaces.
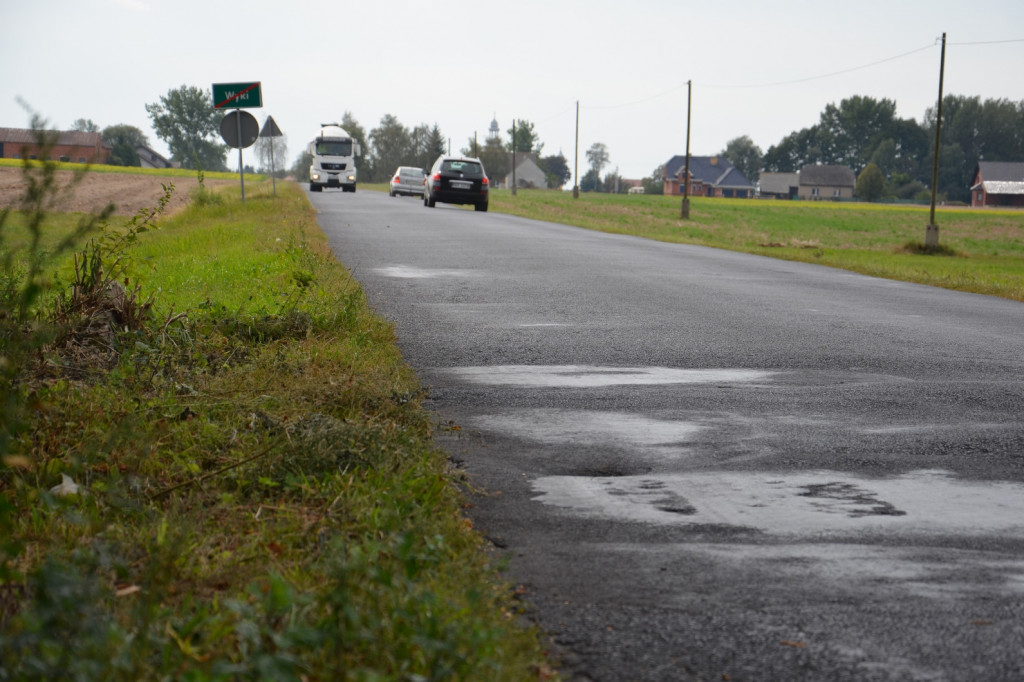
{"x":710,"y":176}
{"x":71,"y":145}
{"x":998,"y":183}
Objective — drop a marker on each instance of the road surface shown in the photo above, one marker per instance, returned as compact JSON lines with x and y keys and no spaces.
{"x":703,"y":465}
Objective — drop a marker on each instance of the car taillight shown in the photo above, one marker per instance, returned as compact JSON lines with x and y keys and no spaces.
{"x":483,"y":185}
{"x":395,"y":179}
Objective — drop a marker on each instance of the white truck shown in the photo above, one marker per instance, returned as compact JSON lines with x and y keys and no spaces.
{"x":334,"y":159}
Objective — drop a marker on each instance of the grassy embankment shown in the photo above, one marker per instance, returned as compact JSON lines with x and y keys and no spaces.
{"x":259,"y":496}
{"x":982,"y":250}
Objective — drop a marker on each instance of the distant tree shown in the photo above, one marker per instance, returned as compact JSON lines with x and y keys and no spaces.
{"x":974,"y":131}
{"x":556,"y":168}
{"x":597,"y":157}
{"x":190,"y":125}
{"x":526,"y":139}
{"x":123,"y":140}
{"x":591,"y":181}
{"x":300,"y":169}
{"x":496,"y":159}
{"x":272,"y":150}
{"x":85,"y":125}
{"x":745,"y":156}
{"x":870,"y":184}
{"x":352,"y":127}
{"x":655,"y":183}
{"x":434,"y":147}
{"x":613,"y":184}
{"x":793,"y":152}
{"x":390,"y":147}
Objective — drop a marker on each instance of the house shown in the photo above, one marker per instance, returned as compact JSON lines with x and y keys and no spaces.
{"x":149,"y":158}
{"x":818,"y":182}
{"x":70,"y":145}
{"x":778,"y":185}
{"x":998,"y":183}
{"x":528,"y":173}
{"x":710,"y":176}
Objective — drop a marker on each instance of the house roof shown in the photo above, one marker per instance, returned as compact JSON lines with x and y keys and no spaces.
{"x":778,"y":183}
{"x":69,"y":138}
{"x":711,"y":170}
{"x":527,"y":169}
{"x":815,"y":175}
{"x":1000,"y":177}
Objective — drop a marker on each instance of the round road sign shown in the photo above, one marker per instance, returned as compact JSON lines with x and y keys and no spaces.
{"x":229,"y":129}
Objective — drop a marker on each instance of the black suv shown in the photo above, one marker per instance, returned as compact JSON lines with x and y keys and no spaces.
{"x":456,"y":180}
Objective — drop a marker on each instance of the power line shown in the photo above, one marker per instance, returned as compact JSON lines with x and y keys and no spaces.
{"x":821,"y":76}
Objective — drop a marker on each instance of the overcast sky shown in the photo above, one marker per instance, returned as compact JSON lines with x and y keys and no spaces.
{"x":762,"y":69}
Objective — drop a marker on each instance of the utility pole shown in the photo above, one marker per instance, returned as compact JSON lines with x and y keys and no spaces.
{"x":685,"y":211}
{"x":931,"y":233}
{"x":576,"y":169}
{"x":513,"y":156}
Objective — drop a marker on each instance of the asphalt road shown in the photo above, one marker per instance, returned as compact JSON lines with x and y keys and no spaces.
{"x":703,"y":465}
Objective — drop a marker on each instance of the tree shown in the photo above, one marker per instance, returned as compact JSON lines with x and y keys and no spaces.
{"x":85,"y":125}
{"x":352,"y":127}
{"x":190,"y":125}
{"x":591,"y":181}
{"x":795,"y":151}
{"x":271,"y":152}
{"x":870,"y":184}
{"x":391,"y":146}
{"x":556,"y":168}
{"x":525,"y":139}
{"x":655,"y":182}
{"x":300,"y":169}
{"x":433,"y":147}
{"x":597,"y":157}
{"x":496,"y":159}
{"x":123,"y":140}
{"x":745,"y":156}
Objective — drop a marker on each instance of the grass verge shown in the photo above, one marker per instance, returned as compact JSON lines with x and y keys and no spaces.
{"x":242,"y":485}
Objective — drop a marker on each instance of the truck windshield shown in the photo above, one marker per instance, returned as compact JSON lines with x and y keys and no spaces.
{"x":334,"y":147}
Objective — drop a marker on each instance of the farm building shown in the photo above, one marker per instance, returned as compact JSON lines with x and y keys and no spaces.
{"x":998,"y":183}
{"x":818,"y":182}
{"x":70,"y":145}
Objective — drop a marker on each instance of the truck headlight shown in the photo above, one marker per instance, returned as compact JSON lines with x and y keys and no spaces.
{"x":315,"y":176}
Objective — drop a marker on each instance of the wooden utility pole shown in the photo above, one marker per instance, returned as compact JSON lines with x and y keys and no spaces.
{"x":576,"y":169}
{"x":685,"y":211}
{"x":931,"y":233}
{"x":513,"y":156}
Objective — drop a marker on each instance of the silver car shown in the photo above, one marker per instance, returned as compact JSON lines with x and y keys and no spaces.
{"x":407,"y":180}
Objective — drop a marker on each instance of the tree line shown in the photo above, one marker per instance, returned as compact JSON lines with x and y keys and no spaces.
{"x":865,"y":134}
{"x":860,"y":132}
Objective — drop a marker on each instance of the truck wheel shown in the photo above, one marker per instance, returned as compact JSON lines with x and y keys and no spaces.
{"x":313,"y":187}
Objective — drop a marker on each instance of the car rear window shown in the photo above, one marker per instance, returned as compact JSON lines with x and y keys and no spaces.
{"x":411,"y":172}
{"x":468,"y":168}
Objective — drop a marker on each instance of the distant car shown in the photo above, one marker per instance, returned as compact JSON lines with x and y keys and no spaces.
{"x":407,"y":180}
{"x":457,"y":180}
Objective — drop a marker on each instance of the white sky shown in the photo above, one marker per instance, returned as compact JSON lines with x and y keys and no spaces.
{"x":763,"y":69}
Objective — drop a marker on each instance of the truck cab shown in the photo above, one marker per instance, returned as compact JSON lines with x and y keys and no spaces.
{"x":333,"y":159}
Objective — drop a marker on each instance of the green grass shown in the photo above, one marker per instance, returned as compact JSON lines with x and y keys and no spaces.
{"x":263,"y":496}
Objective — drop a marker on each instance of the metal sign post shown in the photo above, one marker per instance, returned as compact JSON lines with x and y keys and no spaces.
{"x":270,"y":130}
{"x":240,"y":129}
{"x":236,"y":96}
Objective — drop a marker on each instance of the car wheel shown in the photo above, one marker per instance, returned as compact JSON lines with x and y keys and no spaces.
{"x":481,"y":206}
